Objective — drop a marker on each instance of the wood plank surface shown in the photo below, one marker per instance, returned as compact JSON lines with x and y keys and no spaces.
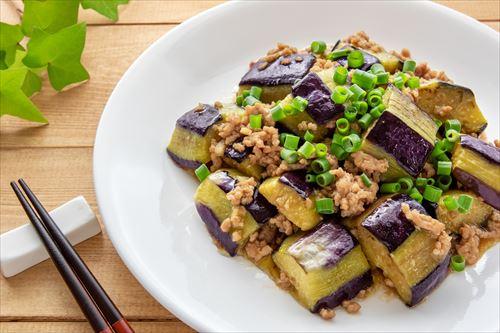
{"x":56,"y":160}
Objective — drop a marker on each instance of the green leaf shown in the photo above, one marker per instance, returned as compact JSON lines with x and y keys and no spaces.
{"x":32,"y":82}
{"x":49,"y":15}
{"x":108,"y":8}
{"x":61,"y":53}
{"x":13,"y":100}
{"x":10,"y":36}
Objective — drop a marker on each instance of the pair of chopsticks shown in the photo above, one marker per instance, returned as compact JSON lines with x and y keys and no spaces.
{"x":98,"y":308}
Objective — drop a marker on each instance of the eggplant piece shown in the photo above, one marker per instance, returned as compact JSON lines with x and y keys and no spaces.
{"x":403,"y":135}
{"x":295,"y":201}
{"x":277,"y":78}
{"x":369,"y":59}
{"x":477,"y":215}
{"x":476,"y":165}
{"x":193,"y":134}
{"x":437,"y":94}
{"x":241,"y":162}
{"x":325,"y":265}
{"x":213,"y":208}
{"x":403,"y":253}
{"x":390,"y":62}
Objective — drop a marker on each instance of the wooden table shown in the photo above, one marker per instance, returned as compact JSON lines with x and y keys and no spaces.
{"x":57,"y":162}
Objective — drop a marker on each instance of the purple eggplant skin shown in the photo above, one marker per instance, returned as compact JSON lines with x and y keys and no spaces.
{"x":488,"y":193}
{"x":183,"y":163}
{"x":276,"y":73}
{"x":320,"y":106}
{"x":213,"y":227}
{"x":346,"y":292}
{"x":489,"y":152}
{"x":430,"y":208}
{"x":430,"y":282}
{"x":297,"y":181}
{"x":199,"y":119}
{"x":236,"y":155}
{"x":388,"y":224}
{"x":260,"y":209}
{"x":223,"y":180}
{"x":395,"y":137}
{"x":334,"y":238}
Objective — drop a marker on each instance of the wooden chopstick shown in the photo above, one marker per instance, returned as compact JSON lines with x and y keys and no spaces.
{"x":102,"y":300}
{"x":89,"y":308}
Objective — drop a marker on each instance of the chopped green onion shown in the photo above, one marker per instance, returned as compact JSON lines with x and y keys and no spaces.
{"x":338,"y":151}
{"x":202,"y":172}
{"x":325,"y":206}
{"x":430,"y":181}
{"x":365,"y":121}
{"x":448,"y":145}
{"x":377,"y":111}
{"x":310,"y":178}
{"x":361,"y":107}
{"x":443,"y":157}
{"x":438,"y":150}
{"x":398,"y":82}
{"x":416,"y":195}
{"x":382,"y":78}
{"x":350,"y":113}
{"x":283,"y":137}
{"x":320,"y":165}
{"x":308,"y":136}
{"x":290,"y":156}
{"x":443,"y":168}
{"x":245,"y":93}
{"x":277,"y":113}
{"x":239,"y":100}
{"x":256,"y":92}
{"x":413,"y":82}
{"x":377,"y":68}
{"x":364,"y":79}
{"x":342,"y":125}
{"x":250,"y":100}
{"x":406,"y":184}
{"x":409,"y":66}
{"x":444,"y":182}
{"x":351,"y":143}
{"x":450,"y":202}
{"x":324,"y":179}
{"x":464,"y":203}
{"x":318,"y":46}
{"x":390,"y":188}
{"x":374,"y":98}
{"x":300,"y":103}
{"x":457,"y":263}
{"x":421,"y":182}
{"x":357,"y":93}
{"x":337,"y":139}
{"x":255,"y":121}
{"x":452,"y":135}
{"x":291,"y":142}
{"x":402,"y":75}
{"x":340,"y":75}
{"x":290,"y":110}
{"x":452,"y":124}
{"x":355,"y":59}
{"x":366,"y":180}
{"x":432,"y":193}
{"x":438,"y":122}
{"x":340,"y":94}
{"x":321,"y":150}
{"x":336,"y":54}
{"x":307,"y":150}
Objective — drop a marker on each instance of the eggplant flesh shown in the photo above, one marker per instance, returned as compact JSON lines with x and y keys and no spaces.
{"x":327,"y":285}
{"x":241,"y":162}
{"x":436,"y":94}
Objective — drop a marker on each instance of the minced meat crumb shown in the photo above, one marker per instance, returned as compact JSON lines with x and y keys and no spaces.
{"x":257,"y":249}
{"x":431,"y":225}
{"x":284,"y":225}
{"x":424,"y":71}
{"x":285,"y":166}
{"x":362,"y":294}
{"x":428,"y":170}
{"x":327,"y":313}
{"x":216,"y":153}
{"x":321,"y":64}
{"x":284,"y":282}
{"x":361,"y":40}
{"x":307,"y":125}
{"x":388,"y":282}
{"x":497,"y":143}
{"x":235,"y":222}
{"x":403,"y":55}
{"x":242,"y":193}
{"x":443,"y":110}
{"x":368,"y":164}
{"x":483,"y":137}
{"x":351,"y":306}
{"x":280,"y":50}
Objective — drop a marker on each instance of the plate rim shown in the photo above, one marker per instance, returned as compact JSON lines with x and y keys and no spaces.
{"x":126,"y":254}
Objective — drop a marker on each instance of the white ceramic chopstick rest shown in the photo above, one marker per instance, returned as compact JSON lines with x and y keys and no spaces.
{"x":21,"y":248}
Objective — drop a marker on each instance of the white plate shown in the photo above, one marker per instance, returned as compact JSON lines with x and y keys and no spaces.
{"x":146,"y":202}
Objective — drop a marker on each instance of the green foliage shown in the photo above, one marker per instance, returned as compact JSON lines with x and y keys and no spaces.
{"x":56,"y":44}
{"x":108,"y":8}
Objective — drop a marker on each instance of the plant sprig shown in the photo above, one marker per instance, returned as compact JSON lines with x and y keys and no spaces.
{"x":55,"y":44}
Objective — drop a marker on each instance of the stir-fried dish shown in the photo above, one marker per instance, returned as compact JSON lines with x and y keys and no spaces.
{"x":337,"y":167}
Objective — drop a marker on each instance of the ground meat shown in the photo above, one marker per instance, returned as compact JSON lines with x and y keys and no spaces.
{"x":368,"y":164}
{"x":403,"y":55}
{"x":280,"y":50}
{"x":388,"y":282}
{"x":443,"y":110}
{"x":321,"y":64}
{"x":327,"y":313}
{"x":216,"y":153}
{"x":349,"y":193}
{"x":424,"y":71}
{"x":483,"y":137}
{"x":305,"y":125}
{"x":283,"y":224}
{"x":497,"y":143}
{"x":257,"y":249}
{"x":361,"y":40}
{"x":428,"y":171}
{"x":351,"y":306}
{"x":362,"y":294}
{"x":334,"y":162}
{"x":234,"y":223}
{"x":242,"y":193}
{"x":431,"y":225}
{"x":469,"y":244}
{"x":266,"y":148}
{"x":284,"y":282}
{"x":284,"y":167}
